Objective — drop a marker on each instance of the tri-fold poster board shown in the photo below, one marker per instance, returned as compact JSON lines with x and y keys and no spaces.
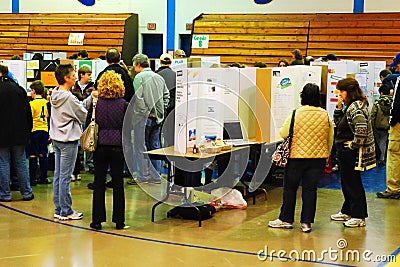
{"x":260,"y":99}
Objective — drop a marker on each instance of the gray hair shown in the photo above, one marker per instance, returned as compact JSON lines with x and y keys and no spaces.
{"x":142,"y":60}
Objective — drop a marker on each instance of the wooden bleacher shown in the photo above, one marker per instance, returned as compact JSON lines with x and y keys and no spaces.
{"x":248,"y":38}
{"x":49,"y":33}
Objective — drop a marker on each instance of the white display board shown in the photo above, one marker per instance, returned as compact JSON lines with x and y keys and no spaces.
{"x":99,"y":66}
{"x":372,"y":69}
{"x":177,"y":64}
{"x":199,"y":109}
{"x":206,"y":103}
{"x":181,"y":111}
{"x":283,"y":94}
{"x":337,"y":70}
{"x":247,"y":101}
{"x":286,"y":85}
{"x":18,"y":69}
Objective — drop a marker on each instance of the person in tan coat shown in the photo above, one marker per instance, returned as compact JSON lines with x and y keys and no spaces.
{"x":311,"y":145}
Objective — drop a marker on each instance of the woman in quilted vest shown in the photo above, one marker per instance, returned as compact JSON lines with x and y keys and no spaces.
{"x":311,"y":145}
{"x":110,"y":111}
{"x":356,"y":150}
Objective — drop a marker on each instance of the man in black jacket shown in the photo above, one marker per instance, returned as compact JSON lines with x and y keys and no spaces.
{"x":113,"y":57}
{"x":165,"y":71}
{"x":15,"y":124}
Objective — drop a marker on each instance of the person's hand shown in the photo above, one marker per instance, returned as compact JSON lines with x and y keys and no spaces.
{"x":95,"y":94}
{"x":347,"y":144}
{"x":340,"y":103}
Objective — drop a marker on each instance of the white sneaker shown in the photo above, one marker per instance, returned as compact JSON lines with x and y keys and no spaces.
{"x":340,"y":217}
{"x":78,"y":177}
{"x":73,"y":178}
{"x":354,"y":222}
{"x":73,"y":216}
{"x":306,"y":227}
{"x":280,"y":224}
{"x":56,"y":216}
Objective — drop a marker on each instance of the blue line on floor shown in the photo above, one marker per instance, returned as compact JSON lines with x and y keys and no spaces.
{"x":394,"y":254}
{"x":170,"y":242}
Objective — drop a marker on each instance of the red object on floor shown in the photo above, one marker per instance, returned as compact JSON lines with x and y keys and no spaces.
{"x":328,"y":166}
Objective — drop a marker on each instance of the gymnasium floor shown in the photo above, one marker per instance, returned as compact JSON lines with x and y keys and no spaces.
{"x":31,"y":237}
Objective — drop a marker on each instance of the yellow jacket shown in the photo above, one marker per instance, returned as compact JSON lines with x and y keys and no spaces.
{"x":312,"y":133}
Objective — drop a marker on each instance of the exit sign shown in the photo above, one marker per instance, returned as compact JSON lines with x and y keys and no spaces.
{"x":189,"y":26}
{"x":151,"y":26}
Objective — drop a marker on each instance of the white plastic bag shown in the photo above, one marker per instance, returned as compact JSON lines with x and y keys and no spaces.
{"x":230,"y":198}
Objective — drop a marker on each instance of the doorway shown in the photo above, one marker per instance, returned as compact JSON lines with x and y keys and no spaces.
{"x":152,"y":45}
{"x":185,"y":42}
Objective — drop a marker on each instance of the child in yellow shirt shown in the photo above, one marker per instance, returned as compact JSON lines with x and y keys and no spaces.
{"x":37,"y":148}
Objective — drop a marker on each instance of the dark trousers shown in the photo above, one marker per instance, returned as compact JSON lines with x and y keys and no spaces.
{"x":355,"y":203}
{"x":78,"y":162}
{"x":33,"y":166}
{"x":308,"y":171}
{"x":105,"y":156}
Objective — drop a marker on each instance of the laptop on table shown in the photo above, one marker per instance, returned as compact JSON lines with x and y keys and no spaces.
{"x":233,"y":134}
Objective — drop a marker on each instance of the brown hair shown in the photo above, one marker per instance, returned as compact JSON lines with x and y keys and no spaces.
{"x":83,"y":70}
{"x":353,"y":89}
{"x":297,"y":54}
{"x":110,"y":85}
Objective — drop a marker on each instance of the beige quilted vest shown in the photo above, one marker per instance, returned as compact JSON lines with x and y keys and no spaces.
{"x":310,"y":133}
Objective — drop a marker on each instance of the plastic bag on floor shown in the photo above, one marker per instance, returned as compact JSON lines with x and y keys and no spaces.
{"x":230,"y":198}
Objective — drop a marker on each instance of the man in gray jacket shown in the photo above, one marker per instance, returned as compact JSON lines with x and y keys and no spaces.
{"x":149,"y":106}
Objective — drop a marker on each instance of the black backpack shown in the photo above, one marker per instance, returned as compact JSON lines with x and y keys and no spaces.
{"x":190,"y":213}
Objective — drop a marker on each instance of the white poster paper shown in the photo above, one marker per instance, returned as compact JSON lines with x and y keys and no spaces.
{"x":200,"y":41}
{"x":181,"y":111}
{"x":76,"y":38}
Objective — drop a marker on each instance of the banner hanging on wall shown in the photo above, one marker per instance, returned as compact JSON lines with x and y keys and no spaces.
{"x":76,"y":38}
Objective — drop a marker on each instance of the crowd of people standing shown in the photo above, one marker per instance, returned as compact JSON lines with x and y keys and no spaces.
{"x":363,"y":140}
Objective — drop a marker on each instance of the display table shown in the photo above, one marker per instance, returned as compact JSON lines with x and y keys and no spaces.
{"x":191,"y":165}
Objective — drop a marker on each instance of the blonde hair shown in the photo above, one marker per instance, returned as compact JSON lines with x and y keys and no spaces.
{"x":110,"y":85}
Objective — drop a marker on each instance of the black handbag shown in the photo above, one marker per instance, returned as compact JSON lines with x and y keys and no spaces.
{"x":281,"y":155}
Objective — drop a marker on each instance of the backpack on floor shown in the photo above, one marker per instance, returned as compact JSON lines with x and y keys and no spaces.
{"x":190,"y":213}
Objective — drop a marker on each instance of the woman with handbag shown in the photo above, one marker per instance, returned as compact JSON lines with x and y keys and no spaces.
{"x":356,"y":150}
{"x":109,"y":115}
{"x":311,"y":143}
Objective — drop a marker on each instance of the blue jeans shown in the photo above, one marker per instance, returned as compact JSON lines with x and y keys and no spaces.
{"x":16,"y":155}
{"x":65,"y":157}
{"x":144,"y":170}
{"x":152,"y":138}
{"x":381,"y":138}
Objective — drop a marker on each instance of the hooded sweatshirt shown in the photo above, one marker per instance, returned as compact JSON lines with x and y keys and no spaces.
{"x":67,"y":115}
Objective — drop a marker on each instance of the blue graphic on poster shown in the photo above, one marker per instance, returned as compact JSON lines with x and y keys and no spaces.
{"x":285,"y":83}
{"x":262,"y":2}
{"x":87,"y":2}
